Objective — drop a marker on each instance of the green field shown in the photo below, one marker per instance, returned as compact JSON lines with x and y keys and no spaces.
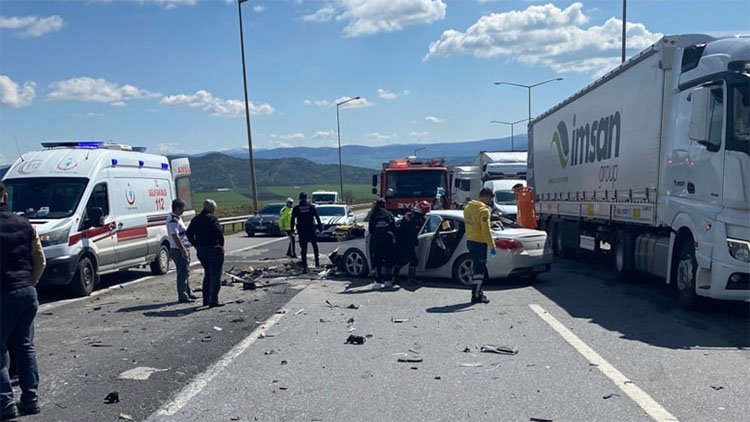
{"x":238,"y":201}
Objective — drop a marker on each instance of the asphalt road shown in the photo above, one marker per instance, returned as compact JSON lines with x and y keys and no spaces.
{"x":589,"y":348}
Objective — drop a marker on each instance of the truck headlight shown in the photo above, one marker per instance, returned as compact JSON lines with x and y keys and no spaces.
{"x":739,"y":249}
{"x":54,"y":237}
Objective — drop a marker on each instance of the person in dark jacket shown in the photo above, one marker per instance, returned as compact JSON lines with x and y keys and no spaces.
{"x":382,"y":228}
{"x":304,"y":216}
{"x":21,"y":265}
{"x":206,"y":235}
{"x":406,"y":243}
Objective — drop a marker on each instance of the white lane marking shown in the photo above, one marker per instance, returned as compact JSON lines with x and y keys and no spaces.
{"x":201,"y":381}
{"x":52,"y":305}
{"x":140,"y":373}
{"x":640,"y":397}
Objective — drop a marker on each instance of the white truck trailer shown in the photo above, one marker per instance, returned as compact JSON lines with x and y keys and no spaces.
{"x":467,"y":182}
{"x":650,"y":164}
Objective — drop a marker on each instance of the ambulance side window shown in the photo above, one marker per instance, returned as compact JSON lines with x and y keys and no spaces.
{"x":98,"y":199}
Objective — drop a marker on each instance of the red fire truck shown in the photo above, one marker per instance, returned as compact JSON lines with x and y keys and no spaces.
{"x":404,"y":183}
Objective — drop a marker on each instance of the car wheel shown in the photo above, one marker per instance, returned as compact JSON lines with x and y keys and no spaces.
{"x":684,"y":278}
{"x":463,"y":268}
{"x":85,"y":278}
{"x":161,"y":262}
{"x":355,"y":263}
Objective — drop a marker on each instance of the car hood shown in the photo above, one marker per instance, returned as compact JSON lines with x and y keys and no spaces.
{"x":334,"y":219}
{"x":264,"y":217}
{"x":507,"y":209}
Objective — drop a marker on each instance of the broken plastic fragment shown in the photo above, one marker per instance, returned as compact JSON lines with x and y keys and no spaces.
{"x":113,"y":397}
{"x":124,"y":417}
{"x":217,"y":328}
{"x":410,"y":360}
{"x":400,"y":320}
{"x":471,"y":365}
{"x":352,"y":339}
{"x":502,"y":350}
{"x":353,"y":306}
{"x":300,"y":311}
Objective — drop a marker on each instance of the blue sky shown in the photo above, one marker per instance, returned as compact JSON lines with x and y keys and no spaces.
{"x":167,"y":74}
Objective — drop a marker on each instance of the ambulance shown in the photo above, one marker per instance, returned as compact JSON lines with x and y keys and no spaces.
{"x":98,"y":208}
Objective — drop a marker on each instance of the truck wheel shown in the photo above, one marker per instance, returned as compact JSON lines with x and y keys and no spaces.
{"x":85,"y":278}
{"x":559,"y":245}
{"x":161,"y":262}
{"x":463,"y":268}
{"x":623,"y":256}
{"x":684,"y":276}
{"x":355,"y":263}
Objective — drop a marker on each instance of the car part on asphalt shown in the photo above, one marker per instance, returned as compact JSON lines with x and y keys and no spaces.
{"x":352,"y":339}
{"x":501,"y":350}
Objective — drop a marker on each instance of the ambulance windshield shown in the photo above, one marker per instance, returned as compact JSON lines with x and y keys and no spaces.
{"x":45,"y":197}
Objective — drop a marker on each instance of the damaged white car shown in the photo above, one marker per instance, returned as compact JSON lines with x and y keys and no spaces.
{"x":442,"y":251}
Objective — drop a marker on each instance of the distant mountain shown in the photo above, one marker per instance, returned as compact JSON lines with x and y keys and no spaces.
{"x":455,"y":153}
{"x":216,"y":170}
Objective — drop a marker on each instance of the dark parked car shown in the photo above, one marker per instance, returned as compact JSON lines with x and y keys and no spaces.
{"x":265,"y":221}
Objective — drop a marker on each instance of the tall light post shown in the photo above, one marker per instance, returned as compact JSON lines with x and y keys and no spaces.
{"x":529,"y":88}
{"x":418,"y":149}
{"x":338,"y":134}
{"x":624,"y":26}
{"x":253,"y":183}
{"x":511,"y":124}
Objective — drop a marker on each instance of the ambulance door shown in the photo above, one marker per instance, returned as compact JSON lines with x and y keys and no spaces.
{"x":98,"y":227}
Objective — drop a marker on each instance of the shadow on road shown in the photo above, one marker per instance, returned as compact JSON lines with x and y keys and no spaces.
{"x":450,"y":309}
{"x":150,"y":307}
{"x":644,"y":309}
{"x":174,"y":313}
{"x":54,"y":293}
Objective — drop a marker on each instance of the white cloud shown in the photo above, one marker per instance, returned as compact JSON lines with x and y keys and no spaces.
{"x":388,"y":95}
{"x":216,"y":106}
{"x":169,"y":148}
{"x":167,"y":4}
{"x":419,"y":134}
{"x":547,"y":36}
{"x":97,"y":90}
{"x":118,"y":104}
{"x":31,"y":26}
{"x":324,"y":134}
{"x":360,"y":102}
{"x":284,"y":145}
{"x":323,"y":14}
{"x":433,"y":119}
{"x":367,"y":17}
{"x":380,"y":137}
{"x":258,"y":8}
{"x":14,"y":95}
{"x":91,"y":114}
{"x":289,"y":136}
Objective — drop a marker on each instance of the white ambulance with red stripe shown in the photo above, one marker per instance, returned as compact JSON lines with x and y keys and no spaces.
{"x":98,"y":207}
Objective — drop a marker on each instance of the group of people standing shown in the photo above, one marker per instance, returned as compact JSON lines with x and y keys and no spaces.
{"x":305,"y":221}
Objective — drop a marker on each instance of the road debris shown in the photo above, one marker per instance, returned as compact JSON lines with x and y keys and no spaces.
{"x":467,"y":350}
{"x":264,"y":335}
{"x":324,"y":320}
{"x":438,"y":378}
{"x":410,"y":360}
{"x":539,"y":420}
{"x":717,"y":387}
{"x":112,"y":398}
{"x":140,"y":373}
{"x":501,"y":350}
{"x":206,"y":339}
{"x":217,"y":328}
{"x":471,"y":365}
{"x":283,"y":362}
{"x":350,"y":321}
{"x":352,"y":339}
{"x":352,"y":306}
{"x":270,"y":352}
{"x":299,"y":312}
{"x":124,"y":417}
{"x":399,"y":320}
{"x":609,"y":396}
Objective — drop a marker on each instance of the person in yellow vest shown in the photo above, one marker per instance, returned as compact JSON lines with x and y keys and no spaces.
{"x":285,"y":225}
{"x":479,"y":241}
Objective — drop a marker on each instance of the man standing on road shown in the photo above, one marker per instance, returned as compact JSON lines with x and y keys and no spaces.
{"x":479,"y":240}
{"x":406,"y":242}
{"x":304,"y":216}
{"x":382,"y":228}
{"x":206,"y":235}
{"x":22,"y":263}
{"x":179,"y":250}
{"x":285,"y":225}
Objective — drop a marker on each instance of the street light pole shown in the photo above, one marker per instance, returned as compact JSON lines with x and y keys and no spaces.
{"x":528,"y":87}
{"x":624,"y":23}
{"x":418,"y":149}
{"x":253,"y":183}
{"x":511,"y":124}
{"x":338,"y":135}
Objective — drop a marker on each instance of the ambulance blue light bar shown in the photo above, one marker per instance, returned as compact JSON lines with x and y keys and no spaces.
{"x":74,"y":144}
{"x":164,"y":166}
{"x":139,"y":149}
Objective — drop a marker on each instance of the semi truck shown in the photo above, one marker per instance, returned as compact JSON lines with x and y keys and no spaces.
{"x":404,"y":183}
{"x":501,"y":164}
{"x":467,"y":182}
{"x":649,"y":165}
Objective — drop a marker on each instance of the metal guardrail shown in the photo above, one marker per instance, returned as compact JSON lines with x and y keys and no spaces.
{"x":233,"y":221}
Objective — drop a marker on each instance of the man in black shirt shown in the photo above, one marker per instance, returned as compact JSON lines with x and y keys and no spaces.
{"x":21,"y":265}
{"x":382,"y":228}
{"x":304,"y":216}
{"x":206,"y":235}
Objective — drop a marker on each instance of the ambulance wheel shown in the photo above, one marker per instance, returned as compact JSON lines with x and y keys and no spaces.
{"x":161,"y":263}
{"x":85,"y":278}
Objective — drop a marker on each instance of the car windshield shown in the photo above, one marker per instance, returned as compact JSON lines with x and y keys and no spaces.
{"x":331,"y":211}
{"x":271,"y":209}
{"x":45,"y":197}
{"x":324,"y":197}
{"x":505,"y":197}
{"x":415,"y":184}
